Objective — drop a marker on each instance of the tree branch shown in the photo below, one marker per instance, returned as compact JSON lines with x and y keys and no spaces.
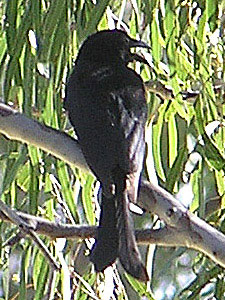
{"x":17,"y":126}
{"x":182,"y":227}
{"x":167,"y":236}
{"x":195,"y":233}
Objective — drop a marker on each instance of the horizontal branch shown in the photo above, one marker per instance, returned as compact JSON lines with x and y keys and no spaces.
{"x":182,"y":227}
{"x":166,"y":236}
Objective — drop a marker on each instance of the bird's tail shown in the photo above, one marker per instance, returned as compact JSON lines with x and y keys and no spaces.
{"x":116,"y":237}
{"x":129,"y":255}
{"x":105,"y":250}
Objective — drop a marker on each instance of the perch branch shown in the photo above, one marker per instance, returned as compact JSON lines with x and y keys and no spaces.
{"x":166,"y":236}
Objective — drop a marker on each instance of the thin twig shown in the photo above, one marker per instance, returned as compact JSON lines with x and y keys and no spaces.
{"x":27,"y":227}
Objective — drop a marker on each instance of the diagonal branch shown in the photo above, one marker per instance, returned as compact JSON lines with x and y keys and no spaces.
{"x":17,"y":126}
{"x":182,"y":227}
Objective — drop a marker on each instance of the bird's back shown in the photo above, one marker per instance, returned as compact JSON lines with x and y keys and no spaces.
{"x":108,"y":110}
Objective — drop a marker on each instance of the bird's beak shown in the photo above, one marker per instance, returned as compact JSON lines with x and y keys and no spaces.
{"x":138,"y":57}
{"x":134,"y":56}
{"x":134,"y":43}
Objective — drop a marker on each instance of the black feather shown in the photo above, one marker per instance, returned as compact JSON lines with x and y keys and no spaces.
{"x":107,"y":107}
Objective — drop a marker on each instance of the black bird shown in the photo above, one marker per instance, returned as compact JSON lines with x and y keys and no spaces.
{"x":107,"y":107}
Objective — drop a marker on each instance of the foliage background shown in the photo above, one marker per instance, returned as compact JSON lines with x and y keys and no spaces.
{"x":38,"y":42}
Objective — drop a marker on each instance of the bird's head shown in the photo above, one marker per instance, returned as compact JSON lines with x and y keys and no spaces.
{"x":110,"y":46}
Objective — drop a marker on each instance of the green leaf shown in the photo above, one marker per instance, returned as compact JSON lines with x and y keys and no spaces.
{"x":24,"y":272}
{"x":87,"y":200}
{"x":40,"y":276}
{"x":140,"y":288}
{"x":176,"y":169}
{"x":11,"y":174}
{"x":67,"y":192}
{"x":157,"y":135}
{"x":95,"y":17}
{"x":156,"y":38}
{"x":172,"y":134}
{"x":212,"y":153}
{"x":212,"y":8}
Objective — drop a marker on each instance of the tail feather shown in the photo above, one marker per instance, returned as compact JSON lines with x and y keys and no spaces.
{"x":115,"y":237}
{"x":129,"y":255}
{"x":105,"y":250}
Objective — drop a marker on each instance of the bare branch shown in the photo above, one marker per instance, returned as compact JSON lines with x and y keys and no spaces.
{"x":27,"y":228}
{"x":195,"y":233}
{"x":164,"y":236}
{"x":17,"y":126}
